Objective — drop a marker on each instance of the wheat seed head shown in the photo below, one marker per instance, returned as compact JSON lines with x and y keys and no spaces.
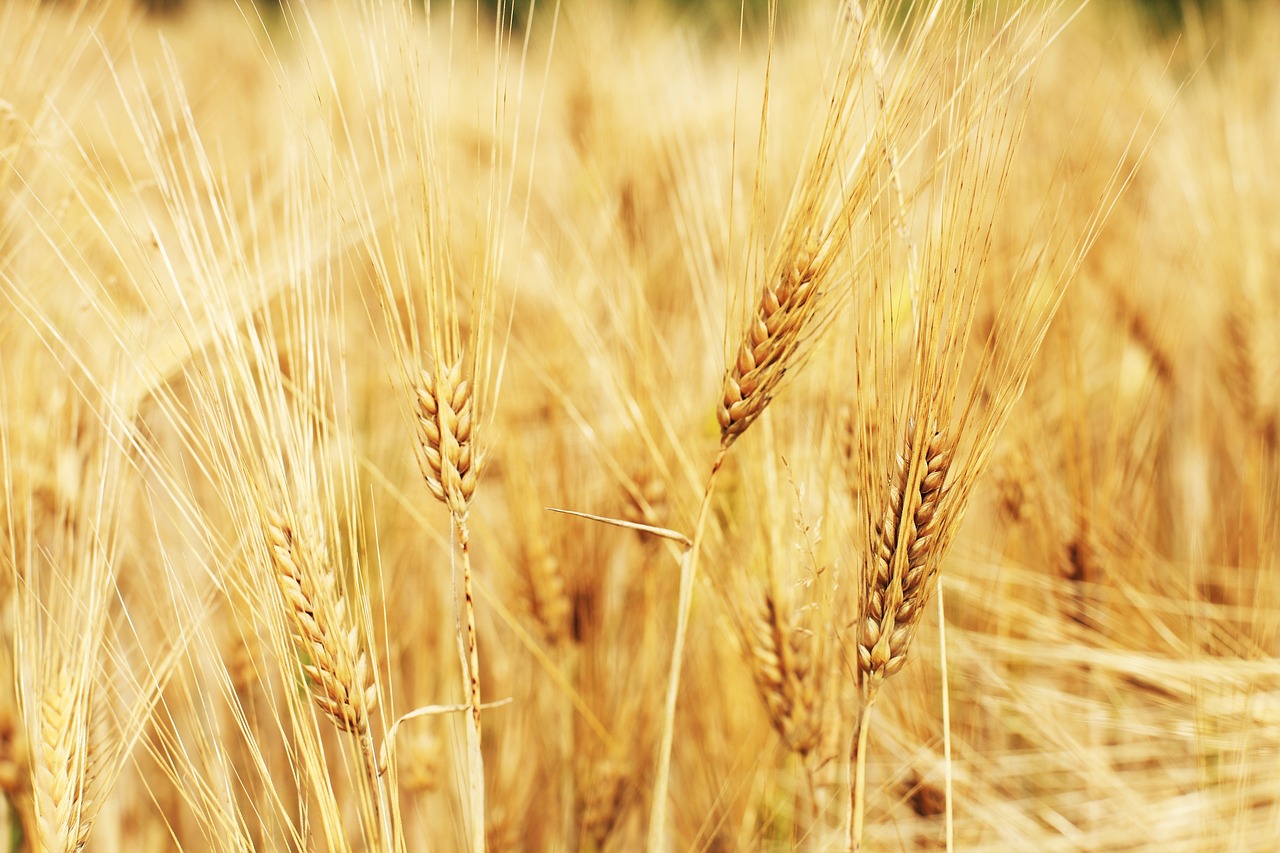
{"x":339,"y":674}
{"x":903,"y":562}
{"x":445,"y":428}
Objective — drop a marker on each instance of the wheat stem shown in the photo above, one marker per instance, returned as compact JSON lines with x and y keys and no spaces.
{"x":946,"y":717}
{"x":370,"y":754}
{"x":858,"y":783}
{"x":475,"y":756}
{"x":688,"y":573}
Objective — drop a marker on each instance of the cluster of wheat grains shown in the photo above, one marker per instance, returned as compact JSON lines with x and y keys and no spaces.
{"x":308,"y":313}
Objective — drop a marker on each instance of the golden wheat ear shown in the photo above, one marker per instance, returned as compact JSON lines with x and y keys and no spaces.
{"x":785,"y":312}
{"x":784,"y":666}
{"x":445,"y":422}
{"x":903,"y":563}
{"x":339,"y":673}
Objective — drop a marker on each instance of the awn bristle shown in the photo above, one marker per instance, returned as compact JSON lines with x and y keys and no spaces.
{"x":782,"y":664}
{"x":445,"y":422}
{"x":902,"y":558}
{"x":772,"y":337}
{"x":340,"y":674}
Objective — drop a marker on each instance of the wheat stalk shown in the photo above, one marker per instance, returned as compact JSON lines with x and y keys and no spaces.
{"x":903,"y":566}
{"x":450,"y":466}
{"x":787,"y":316}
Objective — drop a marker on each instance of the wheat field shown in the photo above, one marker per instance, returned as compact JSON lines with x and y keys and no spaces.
{"x":602,"y":426}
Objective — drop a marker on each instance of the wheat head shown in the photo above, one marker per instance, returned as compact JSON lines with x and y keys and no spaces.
{"x":445,"y":422}
{"x":63,"y":773}
{"x":782,"y":664}
{"x":903,"y":558}
{"x":340,"y":674}
{"x":782,"y":316}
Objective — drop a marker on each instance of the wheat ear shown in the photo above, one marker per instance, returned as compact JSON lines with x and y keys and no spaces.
{"x":64,"y":773}
{"x":782,"y":316}
{"x":782,"y":665}
{"x":340,"y":674}
{"x":897,"y":584}
{"x":548,"y":594}
{"x":902,"y":565}
{"x":444,"y":422}
{"x":450,"y":465}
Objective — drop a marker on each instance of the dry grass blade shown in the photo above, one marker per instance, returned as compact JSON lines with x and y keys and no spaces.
{"x":662,"y":532}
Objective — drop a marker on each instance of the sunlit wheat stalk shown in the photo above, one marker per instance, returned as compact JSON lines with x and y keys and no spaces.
{"x":450,"y":466}
{"x":791,"y":309}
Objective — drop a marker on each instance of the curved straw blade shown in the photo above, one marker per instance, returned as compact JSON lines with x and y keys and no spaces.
{"x":664,"y":532}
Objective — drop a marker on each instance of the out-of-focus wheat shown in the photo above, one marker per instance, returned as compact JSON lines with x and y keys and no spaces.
{"x":233,"y":249}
